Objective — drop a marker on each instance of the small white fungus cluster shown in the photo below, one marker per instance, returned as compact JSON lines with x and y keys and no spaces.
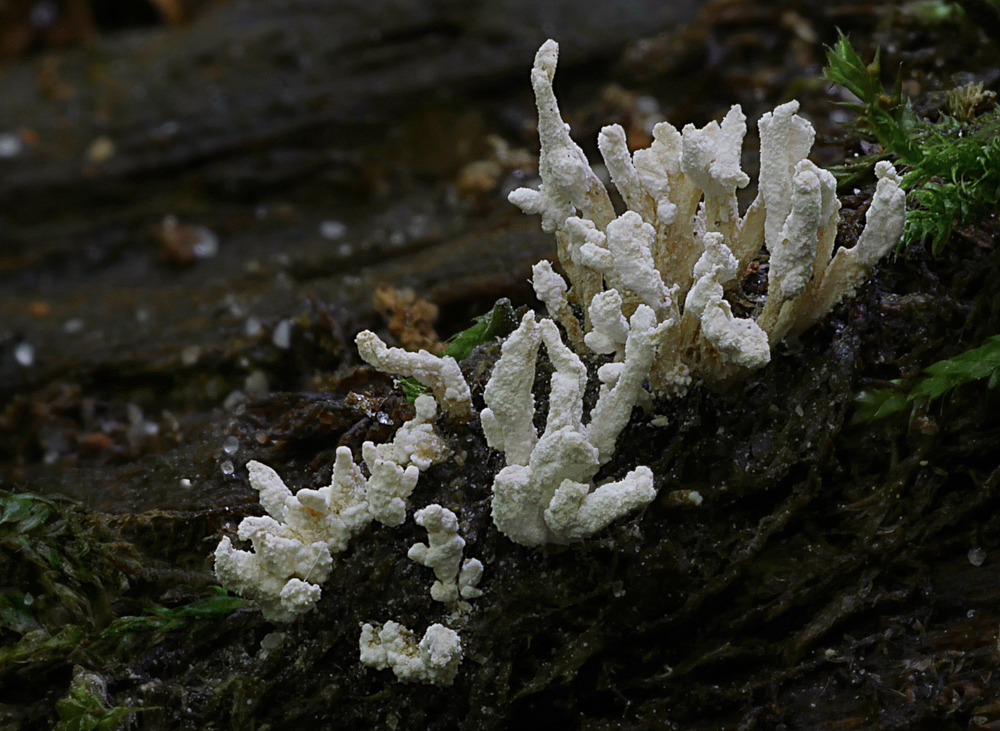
{"x":434,"y":659}
{"x":294,"y":544}
{"x":441,"y":375}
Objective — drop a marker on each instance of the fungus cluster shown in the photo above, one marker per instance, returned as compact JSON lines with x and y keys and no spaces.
{"x":651,"y":287}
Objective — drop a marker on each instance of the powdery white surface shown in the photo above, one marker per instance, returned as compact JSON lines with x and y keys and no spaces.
{"x":630,"y":241}
{"x":415,"y":441}
{"x":507,"y":418}
{"x":883,"y":227}
{"x":711,"y":159}
{"x":568,"y":183}
{"x":610,"y":328}
{"x":271,"y":573}
{"x":550,"y":288}
{"x":388,"y":487}
{"x":741,"y":340}
{"x":294,"y":545}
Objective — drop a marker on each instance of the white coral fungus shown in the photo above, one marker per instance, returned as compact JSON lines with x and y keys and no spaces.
{"x":682,"y":239}
{"x":294,"y":543}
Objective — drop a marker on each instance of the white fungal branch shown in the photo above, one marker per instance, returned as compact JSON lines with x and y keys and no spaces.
{"x":443,"y":553}
{"x":416,"y":442}
{"x":739,"y":340}
{"x":441,"y":375}
{"x":388,"y":487}
{"x":681,"y":240}
{"x":507,"y":420}
{"x":653,"y":286}
{"x":680,"y":196}
{"x":294,"y":543}
{"x":545,"y":494}
{"x":568,"y":182}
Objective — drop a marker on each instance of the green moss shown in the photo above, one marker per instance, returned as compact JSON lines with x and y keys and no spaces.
{"x":498,"y":322}
{"x":54,"y":576}
{"x":163,"y":619}
{"x":951,"y":166}
{"x":59,"y":583}
{"x":84,"y":707}
{"x":940,"y":378}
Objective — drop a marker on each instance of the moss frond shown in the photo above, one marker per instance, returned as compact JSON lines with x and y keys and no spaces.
{"x":939,"y":379}
{"x":951,"y":166}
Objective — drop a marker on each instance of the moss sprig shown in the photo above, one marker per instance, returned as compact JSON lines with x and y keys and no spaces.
{"x":951,"y":166}
{"x":938,"y":380}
